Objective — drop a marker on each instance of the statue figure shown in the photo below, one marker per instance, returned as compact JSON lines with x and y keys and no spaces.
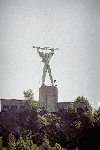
{"x":46,"y":59}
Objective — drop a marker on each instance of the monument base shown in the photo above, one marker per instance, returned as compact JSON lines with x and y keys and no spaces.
{"x":49,"y":96}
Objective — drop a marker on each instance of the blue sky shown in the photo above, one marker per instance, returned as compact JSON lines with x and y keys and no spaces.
{"x":72,"y":26}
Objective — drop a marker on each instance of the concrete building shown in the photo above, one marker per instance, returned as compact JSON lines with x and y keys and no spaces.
{"x":49,"y":97}
{"x":80,"y":107}
{"x":13,"y":104}
{"x":62,"y":105}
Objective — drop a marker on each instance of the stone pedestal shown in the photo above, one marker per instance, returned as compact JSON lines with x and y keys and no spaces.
{"x":49,"y":96}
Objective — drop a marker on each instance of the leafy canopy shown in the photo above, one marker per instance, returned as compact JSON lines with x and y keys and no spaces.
{"x":88,"y":107}
{"x":29,"y":101}
{"x":97,"y":116}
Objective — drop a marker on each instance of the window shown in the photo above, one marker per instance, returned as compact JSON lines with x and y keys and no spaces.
{"x":5,"y":107}
{"x":14,"y":107}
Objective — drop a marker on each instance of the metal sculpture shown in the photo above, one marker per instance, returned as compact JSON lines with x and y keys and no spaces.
{"x":46,"y":53}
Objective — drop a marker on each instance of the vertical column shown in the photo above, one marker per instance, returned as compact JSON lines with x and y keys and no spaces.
{"x":49,"y":96}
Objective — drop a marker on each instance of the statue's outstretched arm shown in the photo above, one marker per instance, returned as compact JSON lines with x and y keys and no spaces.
{"x":40,"y":53}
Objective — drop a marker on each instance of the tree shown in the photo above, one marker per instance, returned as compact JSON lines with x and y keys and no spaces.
{"x":89,"y":132}
{"x":11,"y":142}
{"x":27,"y":144}
{"x":84,"y":101}
{"x":30,"y":103}
{"x":29,"y":99}
{"x":1,"y":141}
{"x":21,"y":144}
{"x":97,"y":116}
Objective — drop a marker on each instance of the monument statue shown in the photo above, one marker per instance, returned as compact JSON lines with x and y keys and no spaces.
{"x":46,"y":55}
{"x":47,"y":94}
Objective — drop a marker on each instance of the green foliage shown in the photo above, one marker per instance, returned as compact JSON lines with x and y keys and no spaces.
{"x":27,"y":144}
{"x":87,"y":121}
{"x":11,"y":142}
{"x":39,"y":106}
{"x":88,"y":107}
{"x":76,"y":148}
{"x":97,"y":116}
{"x":29,"y":95}
{"x":43,"y":121}
{"x":58,"y":147}
{"x":30,"y":102}
{"x":29,"y":99}
{"x":67,"y":127}
{"x":77,"y":124}
{"x":1,"y":141}
{"x":72,"y":109}
{"x":22,"y":144}
{"x":45,"y":145}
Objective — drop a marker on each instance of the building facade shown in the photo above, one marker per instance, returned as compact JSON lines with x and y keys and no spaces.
{"x":50,"y":104}
{"x":13,"y":104}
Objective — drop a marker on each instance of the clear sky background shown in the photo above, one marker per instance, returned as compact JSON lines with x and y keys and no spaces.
{"x":71,"y":25}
